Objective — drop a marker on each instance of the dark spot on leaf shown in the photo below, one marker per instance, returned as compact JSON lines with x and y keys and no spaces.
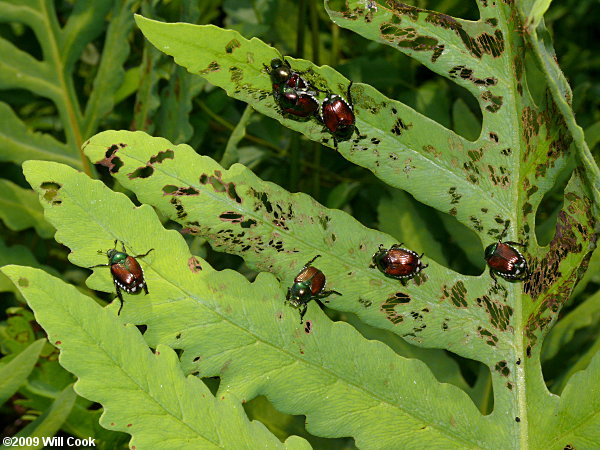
{"x":452,"y":212}
{"x":161,"y":156}
{"x":23,"y":282}
{"x":408,"y":38}
{"x":499,"y":313}
{"x":111,"y":161}
{"x":476,"y":223}
{"x":455,"y":196}
{"x":58,"y":343}
{"x":467,"y":74}
{"x":142,"y":172}
{"x":365,"y":302}
{"x":308,"y":327}
{"x":212,"y":67}
{"x":51,"y":194}
{"x":231,"y":216}
{"x":248,"y":223}
{"x":494,"y":137}
{"x":494,"y":100}
{"x":399,"y":126}
{"x":517,"y":419}
{"x":502,"y":368}
{"x":388,"y":307}
{"x":232,"y":45}
{"x":456,"y":294}
{"x":490,"y":338}
{"x":219,"y":186}
{"x":236,"y":74}
{"x":194,"y":264}
{"x":178,"y":208}
{"x":170,"y":189}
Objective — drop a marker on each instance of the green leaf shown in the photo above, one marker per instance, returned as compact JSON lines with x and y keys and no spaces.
{"x":576,"y":419}
{"x":585,"y":315}
{"x":20,"y":144}
{"x":247,"y":335}
{"x":144,"y":394}
{"x":16,"y":254}
{"x":20,"y":209}
{"x":465,"y":122}
{"x":401,"y":146}
{"x":51,"y":421}
{"x":230,"y":155}
{"x":14,"y":373}
{"x":110,"y":71}
{"x":277,"y":231}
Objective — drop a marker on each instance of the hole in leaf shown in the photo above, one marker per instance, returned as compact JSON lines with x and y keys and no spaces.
{"x":556,"y":369}
{"x":546,"y":215}
{"x":22,"y":37}
{"x":212,"y":383}
{"x":284,"y":425}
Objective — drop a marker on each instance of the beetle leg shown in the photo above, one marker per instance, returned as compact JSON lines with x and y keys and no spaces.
{"x":145,"y":288}
{"x":398,"y":245}
{"x":99,"y":265}
{"x":493,"y":275}
{"x":304,"y":308}
{"x":120,"y":296}
{"x":327,"y":294}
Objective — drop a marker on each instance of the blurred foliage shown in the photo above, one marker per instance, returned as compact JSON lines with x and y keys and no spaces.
{"x":144,"y":100}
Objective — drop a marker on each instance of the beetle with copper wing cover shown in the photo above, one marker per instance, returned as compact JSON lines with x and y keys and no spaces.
{"x":308,"y":285}
{"x":126,"y":272}
{"x":397,"y":262}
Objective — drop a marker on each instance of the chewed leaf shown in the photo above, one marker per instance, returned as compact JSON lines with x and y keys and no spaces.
{"x":225,"y":326}
{"x":143,"y":394}
{"x":277,"y":231}
{"x":402,"y":147}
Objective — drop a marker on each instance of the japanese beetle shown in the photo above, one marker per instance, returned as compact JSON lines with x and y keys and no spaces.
{"x":282,"y":74}
{"x":126,"y":272}
{"x":291,"y":91}
{"x":505,"y":260}
{"x":397,"y":262}
{"x":298,"y":103}
{"x":338,"y":117}
{"x":308,"y":285}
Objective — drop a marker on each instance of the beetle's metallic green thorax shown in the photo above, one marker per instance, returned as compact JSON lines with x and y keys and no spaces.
{"x":300,"y":293}
{"x":116,"y":257}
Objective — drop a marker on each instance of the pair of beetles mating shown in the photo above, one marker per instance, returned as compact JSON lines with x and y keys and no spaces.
{"x":502,"y":258}
{"x":296,"y":97}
